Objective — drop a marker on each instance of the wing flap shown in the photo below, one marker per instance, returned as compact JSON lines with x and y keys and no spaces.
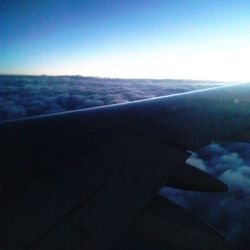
{"x":93,"y":189}
{"x":166,"y":224}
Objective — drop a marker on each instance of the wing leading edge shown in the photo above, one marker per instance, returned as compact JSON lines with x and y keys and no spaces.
{"x":79,"y":180}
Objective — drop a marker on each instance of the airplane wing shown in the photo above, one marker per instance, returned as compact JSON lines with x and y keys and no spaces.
{"x":89,"y":179}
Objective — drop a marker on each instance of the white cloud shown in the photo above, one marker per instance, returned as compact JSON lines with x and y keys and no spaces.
{"x":229,"y":212}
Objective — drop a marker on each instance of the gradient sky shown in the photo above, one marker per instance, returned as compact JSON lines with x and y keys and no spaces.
{"x":188,"y":39}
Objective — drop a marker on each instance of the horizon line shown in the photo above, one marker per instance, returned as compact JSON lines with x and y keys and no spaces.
{"x":120,"y":78}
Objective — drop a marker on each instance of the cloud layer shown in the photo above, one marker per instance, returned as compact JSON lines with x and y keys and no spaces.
{"x":22,"y":96}
{"x":229,"y":212}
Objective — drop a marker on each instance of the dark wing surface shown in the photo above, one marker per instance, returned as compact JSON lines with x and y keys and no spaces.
{"x":89,"y":179}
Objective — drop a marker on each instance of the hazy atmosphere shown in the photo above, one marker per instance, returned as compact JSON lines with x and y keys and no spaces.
{"x":204,"y":40}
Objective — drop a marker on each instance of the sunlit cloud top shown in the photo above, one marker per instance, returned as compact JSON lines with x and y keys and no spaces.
{"x":207,"y":40}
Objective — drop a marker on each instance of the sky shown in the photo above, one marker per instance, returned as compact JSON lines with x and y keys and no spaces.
{"x":181,"y":39}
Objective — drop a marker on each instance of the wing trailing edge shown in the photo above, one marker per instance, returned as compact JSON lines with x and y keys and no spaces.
{"x":166,"y":224}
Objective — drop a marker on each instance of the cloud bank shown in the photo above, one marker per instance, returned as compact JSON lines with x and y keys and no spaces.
{"x":229,"y":212}
{"x":22,"y":96}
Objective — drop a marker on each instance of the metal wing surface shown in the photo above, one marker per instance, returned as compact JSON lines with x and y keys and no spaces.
{"x":89,"y":179}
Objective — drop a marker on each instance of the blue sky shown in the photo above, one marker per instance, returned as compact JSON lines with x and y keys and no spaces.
{"x":185,"y":39}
